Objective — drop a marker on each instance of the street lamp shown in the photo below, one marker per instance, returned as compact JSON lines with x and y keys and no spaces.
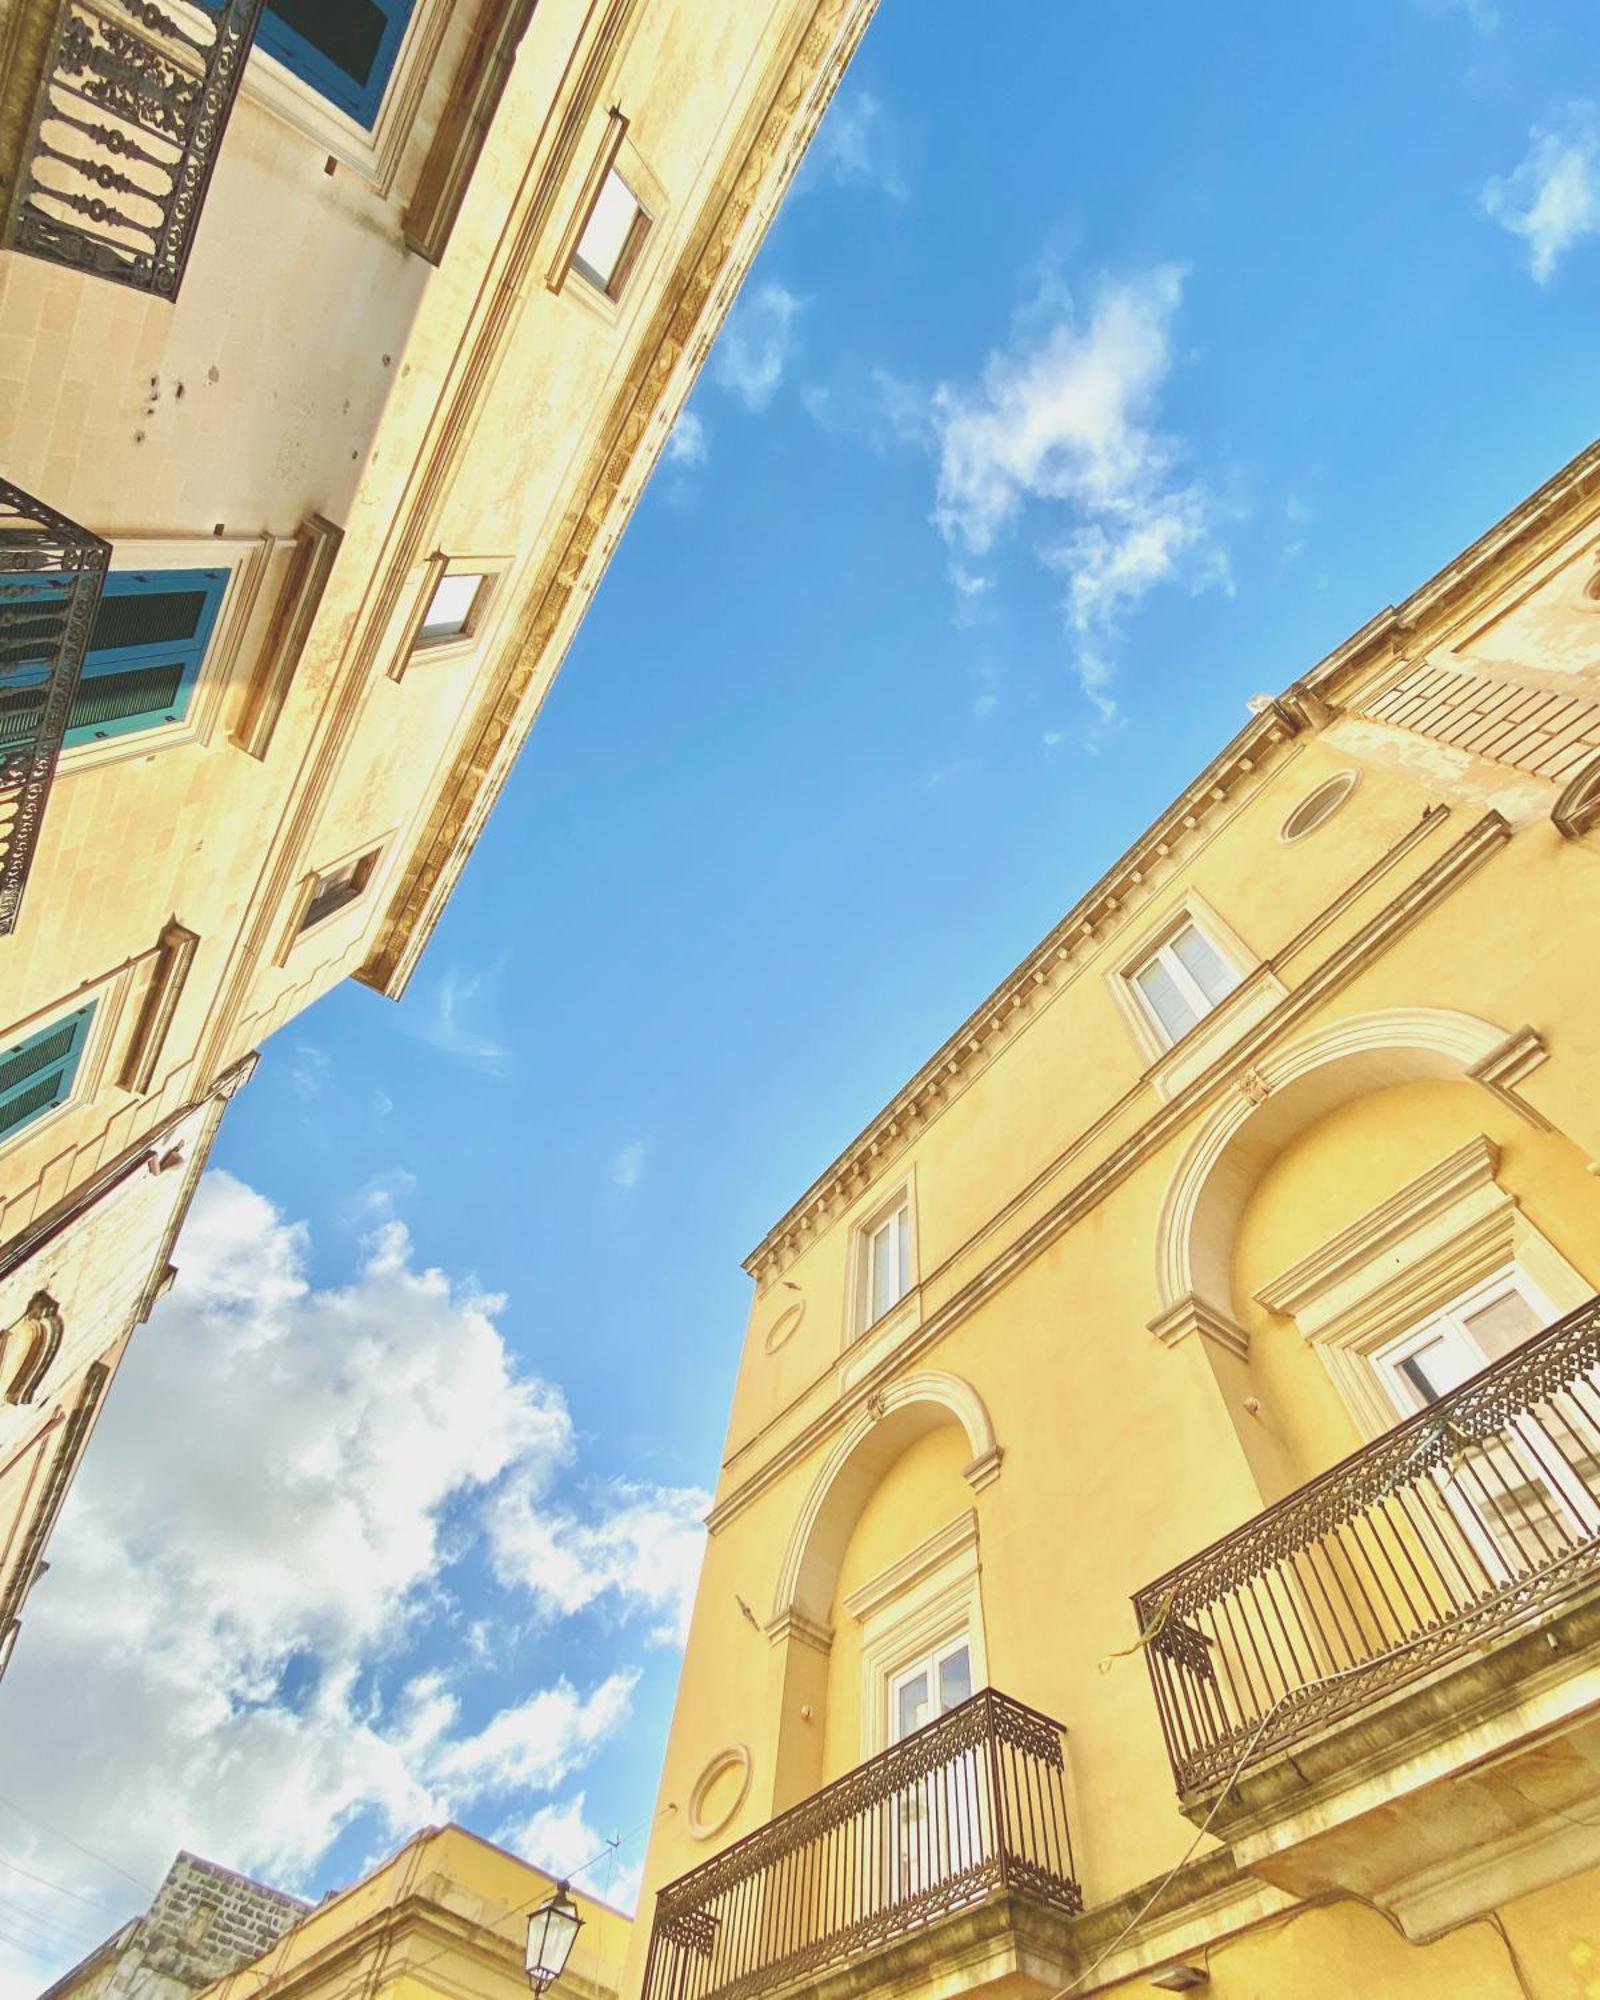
{"x":551,"y":1931}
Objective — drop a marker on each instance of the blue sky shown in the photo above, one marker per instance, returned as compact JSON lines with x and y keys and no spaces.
{"x":1104,"y":369}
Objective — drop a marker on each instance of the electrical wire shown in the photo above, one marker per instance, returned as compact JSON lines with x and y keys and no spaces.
{"x":61,"y":1889}
{"x":55,"y":1833}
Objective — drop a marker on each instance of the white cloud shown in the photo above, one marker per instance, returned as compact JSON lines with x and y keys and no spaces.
{"x":448,"y":1016}
{"x":235,"y":1611}
{"x":644,"y":1547}
{"x":858,"y":145}
{"x":757,"y":345}
{"x":1483,"y":15}
{"x":309,"y":1069}
{"x":1552,"y":200}
{"x":560,"y":1839}
{"x":627,"y":1169}
{"x":687,"y":445}
{"x":1062,"y":431}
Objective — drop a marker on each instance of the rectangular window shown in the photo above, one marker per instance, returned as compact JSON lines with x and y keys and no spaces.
{"x":38,"y":1073}
{"x":338,"y":889}
{"x":452,"y":610}
{"x":345,"y":49}
{"x":883,"y":1262}
{"x":612,"y":237}
{"x":145,"y":651}
{"x":1182,"y":980}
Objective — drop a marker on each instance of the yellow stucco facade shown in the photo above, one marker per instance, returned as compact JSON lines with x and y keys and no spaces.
{"x":445,"y":1916}
{"x":1167,"y":1276}
{"x":352,"y":460}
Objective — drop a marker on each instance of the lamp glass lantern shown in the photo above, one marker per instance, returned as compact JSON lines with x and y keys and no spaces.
{"x":552,"y":1931}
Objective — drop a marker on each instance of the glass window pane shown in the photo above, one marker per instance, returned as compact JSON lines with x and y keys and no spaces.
{"x":955,"y":1678}
{"x":1439,"y":1366}
{"x":1172,"y":1010}
{"x":605,"y":234}
{"x":903,"y":1251}
{"x":1204,"y":964}
{"x":911,"y":1705}
{"x":451,"y":605}
{"x":882,"y":1294}
{"x":1502,"y":1324}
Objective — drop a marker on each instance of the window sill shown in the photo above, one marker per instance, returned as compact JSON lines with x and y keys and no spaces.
{"x":1250,"y":1002}
{"x":880,"y":1339}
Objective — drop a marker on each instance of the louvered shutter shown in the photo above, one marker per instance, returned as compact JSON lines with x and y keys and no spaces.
{"x":145,"y":652}
{"x":37,"y":1074}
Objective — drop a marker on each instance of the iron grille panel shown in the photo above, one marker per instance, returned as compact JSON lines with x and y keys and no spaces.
{"x":968,"y":1808}
{"x":1475,"y":1519}
{"x":126,"y":126}
{"x":51,"y":575}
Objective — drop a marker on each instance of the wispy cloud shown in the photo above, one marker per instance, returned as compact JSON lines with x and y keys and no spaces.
{"x":449,"y":1016}
{"x":859,"y":145}
{"x":627,"y":1169}
{"x":308,"y":1071}
{"x":757,"y":345}
{"x":641,"y":1546}
{"x":1062,"y":430}
{"x":1552,"y":199}
{"x":1483,"y":15}
{"x":688,"y":444}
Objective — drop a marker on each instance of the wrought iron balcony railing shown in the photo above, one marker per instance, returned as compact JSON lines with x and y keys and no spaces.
{"x":1469,"y":1522}
{"x":971,"y":1808}
{"x":127,"y":122}
{"x":51,"y":572}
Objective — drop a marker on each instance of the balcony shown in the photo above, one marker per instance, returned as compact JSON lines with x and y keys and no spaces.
{"x":51,"y":572}
{"x":128,"y":118}
{"x":1402,"y":1659}
{"x":965,"y":1820}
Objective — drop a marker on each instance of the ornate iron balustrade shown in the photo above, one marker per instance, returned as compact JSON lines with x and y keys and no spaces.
{"x":51,"y":572}
{"x":1468,"y":1522}
{"x":969,"y":1808}
{"x":127,"y":124}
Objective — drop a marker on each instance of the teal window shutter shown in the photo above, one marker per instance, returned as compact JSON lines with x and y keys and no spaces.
{"x":145,"y":651}
{"x":345,"y":49}
{"x":38,"y":1074}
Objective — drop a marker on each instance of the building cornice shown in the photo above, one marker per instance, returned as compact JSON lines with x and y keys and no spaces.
{"x":1306,"y":705}
{"x":685,"y":323}
{"x":1465,"y":855}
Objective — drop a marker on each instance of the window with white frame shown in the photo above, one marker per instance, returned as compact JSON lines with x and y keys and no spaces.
{"x":612,"y":237}
{"x":1452,"y":1344}
{"x":929,"y":1687}
{"x":1181,"y":980}
{"x":453,"y":608}
{"x":884,"y":1261}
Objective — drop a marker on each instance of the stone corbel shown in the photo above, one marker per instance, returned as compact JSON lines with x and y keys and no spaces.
{"x":985,"y":1469}
{"x":1577,"y":811}
{"x":1504,"y":1067}
{"x":792,"y":1624}
{"x":1193,"y":1315}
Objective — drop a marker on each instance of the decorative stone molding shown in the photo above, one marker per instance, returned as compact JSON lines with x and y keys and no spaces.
{"x":984,"y":1469}
{"x":940,"y":1549}
{"x":1504,"y":1067}
{"x":1428,"y":1243}
{"x":907,"y":1410}
{"x":1190,"y":1315}
{"x":734,"y":1757}
{"x":1413,"y":901}
{"x":27,"y":1348}
{"x":806,"y":1631}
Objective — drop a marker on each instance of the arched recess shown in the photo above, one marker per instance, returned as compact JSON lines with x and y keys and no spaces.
{"x":890,"y":1421}
{"x":1286,"y":1091}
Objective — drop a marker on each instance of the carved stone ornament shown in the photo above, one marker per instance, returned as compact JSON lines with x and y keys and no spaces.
{"x":1577,"y":811}
{"x":27,"y":1348}
{"x":1254,"y":1087}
